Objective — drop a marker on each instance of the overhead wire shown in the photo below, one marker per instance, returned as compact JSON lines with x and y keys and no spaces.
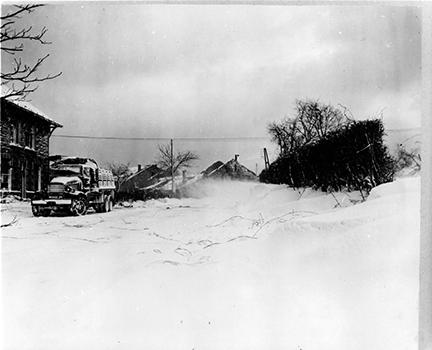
{"x":197,"y":139}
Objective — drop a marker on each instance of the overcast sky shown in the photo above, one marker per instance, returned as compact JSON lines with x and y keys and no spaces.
{"x":219,"y":71}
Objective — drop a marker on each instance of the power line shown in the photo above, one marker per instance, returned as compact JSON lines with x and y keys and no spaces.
{"x":210,"y":139}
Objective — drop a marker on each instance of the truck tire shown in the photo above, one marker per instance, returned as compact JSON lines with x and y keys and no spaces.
{"x":46,"y":212}
{"x":40,"y":211}
{"x":36,"y":211}
{"x":99,"y":208}
{"x":110,"y":203}
{"x":107,"y":205}
{"x":79,"y":206}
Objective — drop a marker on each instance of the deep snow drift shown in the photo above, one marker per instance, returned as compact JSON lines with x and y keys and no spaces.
{"x":242,"y":266}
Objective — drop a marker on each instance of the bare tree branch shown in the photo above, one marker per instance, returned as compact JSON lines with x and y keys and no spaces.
{"x":20,"y":78}
{"x":184,"y":159}
{"x":180,"y":160}
{"x":23,"y":34}
{"x":20,"y":9}
{"x":23,"y":73}
{"x":19,"y":94}
{"x":164,"y":157}
{"x":120,"y":170}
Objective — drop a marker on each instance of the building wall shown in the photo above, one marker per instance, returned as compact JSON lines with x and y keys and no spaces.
{"x":23,"y":156}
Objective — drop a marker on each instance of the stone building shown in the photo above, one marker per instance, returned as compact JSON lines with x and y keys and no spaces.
{"x":25,"y":133}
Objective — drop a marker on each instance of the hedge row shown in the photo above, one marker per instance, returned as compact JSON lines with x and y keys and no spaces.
{"x":352,"y":157}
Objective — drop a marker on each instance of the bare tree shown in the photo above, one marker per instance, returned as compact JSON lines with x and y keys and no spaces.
{"x":312,"y":122}
{"x":315,"y":120}
{"x":21,"y":79}
{"x":180,"y":160}
{"x":121,"y":170}
{"x":408,"y":158}
{"x":284,"y":134}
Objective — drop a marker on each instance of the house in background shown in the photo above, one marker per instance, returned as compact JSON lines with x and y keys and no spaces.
{"x":230,"y":170}
{"x":25,"y":133}
{"x":212,"y":168}
{"x":144,"y":177}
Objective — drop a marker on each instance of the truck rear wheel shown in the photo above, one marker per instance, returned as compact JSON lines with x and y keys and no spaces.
{"x":79,"y":206}
{"x":107,"y":205}
{"x":99,"y":208}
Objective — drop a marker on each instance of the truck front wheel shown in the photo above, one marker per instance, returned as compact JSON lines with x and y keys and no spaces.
{"x":36,"y":211}
{"x":40,"y":211}
{"x":110,"y":204}
{"x":79,"y":206}
{"x":46,"y":212}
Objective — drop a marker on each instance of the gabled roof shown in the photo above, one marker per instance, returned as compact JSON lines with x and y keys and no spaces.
{"x":232,"y":168}
{"x":212,"y":168}
{"x":146,"y":168}
{"x":28,"y":107}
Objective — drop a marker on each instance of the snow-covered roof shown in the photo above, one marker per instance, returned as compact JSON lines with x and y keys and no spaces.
{"x":146,"y":167}
{"x":232,"y":168}
{"x":30,"y":108}
{"x":76,"y":160}
{"x":215,"y":170}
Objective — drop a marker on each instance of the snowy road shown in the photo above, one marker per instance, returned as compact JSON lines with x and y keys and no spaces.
{"x":248,"y":266}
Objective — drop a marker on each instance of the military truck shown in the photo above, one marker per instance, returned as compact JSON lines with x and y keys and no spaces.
{"x":76,"y":185}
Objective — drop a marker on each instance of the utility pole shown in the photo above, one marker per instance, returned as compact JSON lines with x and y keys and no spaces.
{"x":172,"y":167}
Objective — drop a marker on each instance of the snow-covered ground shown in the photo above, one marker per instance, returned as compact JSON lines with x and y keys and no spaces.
{"x":245,"y":266}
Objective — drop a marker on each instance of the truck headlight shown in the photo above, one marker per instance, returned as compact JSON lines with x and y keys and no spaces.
{"x":69,"y":189}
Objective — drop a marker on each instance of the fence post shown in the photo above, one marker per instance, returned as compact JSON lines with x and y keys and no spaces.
{"x":266,"y":159}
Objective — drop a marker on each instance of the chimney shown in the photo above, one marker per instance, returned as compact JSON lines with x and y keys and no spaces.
{"x":236,"y":157}
{"x":139,"y":167}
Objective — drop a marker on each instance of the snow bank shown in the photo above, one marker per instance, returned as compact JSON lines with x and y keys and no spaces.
{"x":398,"y":187}
{"x":218,"y":188}
{"x":248,"y":266}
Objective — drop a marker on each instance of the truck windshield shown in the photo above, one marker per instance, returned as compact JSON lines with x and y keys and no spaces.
{"x":76,"y":169}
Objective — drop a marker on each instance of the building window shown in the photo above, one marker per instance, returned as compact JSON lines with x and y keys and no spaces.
{"x":6,"y":175}
{"x":16,"y":171}
{"x":33,"y":132}
{"x":30,"y":175}
{"x":39,"y":182}
{"x":28,"y":139}
{"x":14,"y":138}
{"x":5,"y":181}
